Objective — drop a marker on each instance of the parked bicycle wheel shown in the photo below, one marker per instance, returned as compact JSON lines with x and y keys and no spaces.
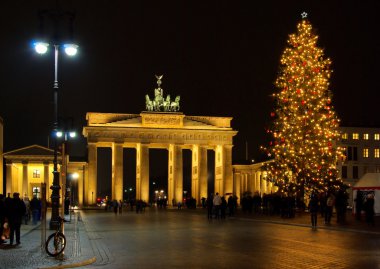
{"x":55,"y":244}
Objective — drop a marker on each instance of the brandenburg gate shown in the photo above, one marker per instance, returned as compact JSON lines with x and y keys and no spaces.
{"x":162,"y":126}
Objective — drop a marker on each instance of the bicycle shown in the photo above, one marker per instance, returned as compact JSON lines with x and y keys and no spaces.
{"x":56,"y":242}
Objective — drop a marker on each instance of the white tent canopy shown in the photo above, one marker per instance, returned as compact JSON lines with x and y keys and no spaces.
{"x":369,"y":183}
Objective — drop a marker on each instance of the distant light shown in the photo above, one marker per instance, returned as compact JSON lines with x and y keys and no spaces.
{"x":71,"y":49}
{"x":75,"y":175}
{"x":59,"y":134}
{"x":130,"y":189}
{"x":72,"y":134}
{"x":41,"y":47}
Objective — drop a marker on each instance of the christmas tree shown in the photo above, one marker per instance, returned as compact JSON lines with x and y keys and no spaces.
{"x":305,"y":126}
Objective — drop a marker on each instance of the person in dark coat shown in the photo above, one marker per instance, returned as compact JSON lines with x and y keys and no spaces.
{"x":313,"y":208}
{"x":35,"y":208}
{"x":369,"y":209}
{"x":16,"y":212}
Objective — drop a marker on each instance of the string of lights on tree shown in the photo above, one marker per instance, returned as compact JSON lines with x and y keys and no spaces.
{"x":304,"y":125}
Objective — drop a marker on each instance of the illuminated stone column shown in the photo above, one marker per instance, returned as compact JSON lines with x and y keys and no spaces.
{"x":237,"y":187}
{"x":228,"y":178}
{"x":117,"y":171}
{"x":223,"y":169}
{"x":250,"y":183}
{"x":242,"y":179}
{"x":195,"y":173}
{"x":142,"y":172}
{"x":46,"y":180}
{"x":9,"y":186}
{"x":219,"y":170}
{"x":91,"y":181}
{"x":24,"y":192}
{"x":262,"y":184}
{"x":256,"y":187}
{"x":202,"y":170}
{"x":171,"y":174}
{"x":80,"y":184}
{"x":178,"y":173}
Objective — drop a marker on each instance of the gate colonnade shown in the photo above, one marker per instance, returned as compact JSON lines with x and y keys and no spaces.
{"x":252,"y":179}
{"x":172,"y":131}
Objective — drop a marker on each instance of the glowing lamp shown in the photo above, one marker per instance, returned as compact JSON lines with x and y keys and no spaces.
{"x":71,"y":49}
{"x":41,"y":47}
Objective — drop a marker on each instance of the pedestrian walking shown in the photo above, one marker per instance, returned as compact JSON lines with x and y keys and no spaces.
{"x":217,"y":202}
{"x":223,"y":207}
{"x":313,"y":209}
{"x":27,"y":210}
{"x":16,"y":213}
{"x":35,"y":208}
{"x":115,"y":205}
{"x":369,"y":209}
{"x":120,"y":207}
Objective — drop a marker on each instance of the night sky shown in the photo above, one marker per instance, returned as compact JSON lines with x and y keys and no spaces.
{"x":222,"y":57}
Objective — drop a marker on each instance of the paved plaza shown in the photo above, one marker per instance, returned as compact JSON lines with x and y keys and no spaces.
{"x":159,"y":238}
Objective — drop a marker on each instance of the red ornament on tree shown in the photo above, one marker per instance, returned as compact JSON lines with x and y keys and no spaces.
{"x":272,"y":114}
{"x":303,"y":102}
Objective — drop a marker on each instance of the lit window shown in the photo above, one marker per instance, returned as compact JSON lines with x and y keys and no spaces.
{"x":355,"y":136}
{"x":365,"y":153}
{"x":377,"y":136}
{"x":377,"y":153}
{"x":365,"y":136}
{"x":345,"y":136}
{"x":36,"y":173}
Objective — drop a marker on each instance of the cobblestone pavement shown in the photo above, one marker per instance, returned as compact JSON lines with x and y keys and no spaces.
{"x":186,"y":239}
{"x":30,"y":254}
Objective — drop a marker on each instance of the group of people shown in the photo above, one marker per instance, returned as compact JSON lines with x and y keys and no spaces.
{"x":217,"y":206}
{"x":12,"y":211}
{"x":117,"y":206}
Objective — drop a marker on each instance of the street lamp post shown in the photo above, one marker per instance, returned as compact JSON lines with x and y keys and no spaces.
{"x":70,"y":50}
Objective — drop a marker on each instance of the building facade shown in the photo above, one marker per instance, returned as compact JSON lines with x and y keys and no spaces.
{"x":28,"y":168}
{"x":362,"y":152}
